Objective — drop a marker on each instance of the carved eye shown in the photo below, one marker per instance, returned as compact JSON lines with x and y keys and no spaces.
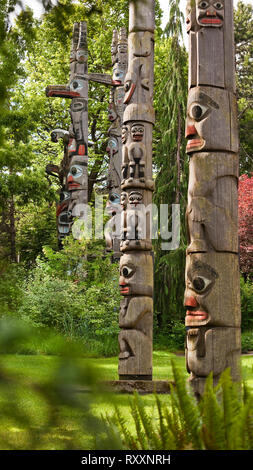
{"x":200,"y":283}
{"x":76,"y":171}
{"x":218,"y":5}
{"x":76,"y":85}
{"x":197,"y":111}
{"x":126,"y":271}
{"x":203,"y":5}
{"x":127,"y":86}
{"x":65,"y":195}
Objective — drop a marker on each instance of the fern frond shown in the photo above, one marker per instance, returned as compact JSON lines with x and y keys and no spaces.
{"x":231,"y":410}
{"x":153,"y":441}
{"x":213,"y":432}
{"x":188,"y":408}
{"x":130,"y":441}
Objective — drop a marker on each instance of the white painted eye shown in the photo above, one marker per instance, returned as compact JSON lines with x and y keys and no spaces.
{"x":200,"y":283}
{"x":76,"y":85}
{"x":197,"y":111}
{"x":203,"y":5}
{"x":126,"y":271}
{"x":218,"y":5}
{"x":76,"y":171}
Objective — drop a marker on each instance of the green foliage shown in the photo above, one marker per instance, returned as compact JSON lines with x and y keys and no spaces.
{"x":246,"y":304}
{"x":247,"y":341}
{"x":221,"y":420}
{"x":243,"y":19}
{"x":66,"y":290}
{"x":11,"y":293}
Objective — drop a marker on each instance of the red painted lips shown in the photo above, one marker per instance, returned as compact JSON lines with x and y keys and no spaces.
{"x":124,"y":289}
{"x":210,"y":21}
{"x":193,"y":314}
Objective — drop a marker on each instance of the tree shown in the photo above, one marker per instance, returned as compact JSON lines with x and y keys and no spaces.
{"x":171,"y":163}
{"x":243,"y":20}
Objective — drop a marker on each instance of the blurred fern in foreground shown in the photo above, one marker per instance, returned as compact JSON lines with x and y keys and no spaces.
{"x":221,"y":420}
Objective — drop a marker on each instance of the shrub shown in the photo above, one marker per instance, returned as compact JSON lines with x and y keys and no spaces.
{"x":246,"y":304}
{"x":247,"y":341}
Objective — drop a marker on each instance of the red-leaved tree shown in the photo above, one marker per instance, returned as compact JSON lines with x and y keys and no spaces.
{"x":245,"y":202}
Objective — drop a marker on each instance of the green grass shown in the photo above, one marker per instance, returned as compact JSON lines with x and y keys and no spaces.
{"x":30,"y":418}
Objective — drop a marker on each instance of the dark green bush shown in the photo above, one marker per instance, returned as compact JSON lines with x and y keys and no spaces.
{"x":247,"y":304}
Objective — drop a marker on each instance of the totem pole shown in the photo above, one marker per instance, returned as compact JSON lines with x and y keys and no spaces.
{"x":74,"y":192}
{"x":212,"y":295}
{"x":136,"y":263}
{"x":114,"y":145}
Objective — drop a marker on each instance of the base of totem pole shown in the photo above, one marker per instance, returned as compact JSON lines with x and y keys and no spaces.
{"x":141,"y":386}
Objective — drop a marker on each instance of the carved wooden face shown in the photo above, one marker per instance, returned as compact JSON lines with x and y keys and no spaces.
{"x":124,"y":134}
{"x":190,"y":14}
{"x":136,"y":274}
{"x":77,"y":175}
{"x":123,"y":200}
{"x":210,"y":12}
{"x":137,"y":132}
{"x":118,"y":74}
{"x":135,"y":198}
{"x":112,"y":114}
{"x":112,"y":146}
{"x":211,"y":294}
{"x":113,"y":204}
{"x":208,"y":125}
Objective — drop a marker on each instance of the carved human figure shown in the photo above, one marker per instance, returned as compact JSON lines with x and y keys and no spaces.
{"x":137,"y":152}
{"x":135,"y":338}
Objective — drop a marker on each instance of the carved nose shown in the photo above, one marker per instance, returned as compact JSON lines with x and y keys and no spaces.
{"x":70,"y":179}
{"x":190,"y":131}
{"x":211,"y":12}
{"x":190,"y":302}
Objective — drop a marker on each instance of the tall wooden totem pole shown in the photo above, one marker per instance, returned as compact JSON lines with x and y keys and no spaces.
{"x":136,"y":263}
{"x":114,"y":146}
{"x":212,"y":296}
{"x":73,"y":171}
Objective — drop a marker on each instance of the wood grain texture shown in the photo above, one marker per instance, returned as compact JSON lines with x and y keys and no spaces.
{"x":212,"y":294}
{"x":136,"y":263}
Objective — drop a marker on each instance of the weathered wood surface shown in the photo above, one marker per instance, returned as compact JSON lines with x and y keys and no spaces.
{"x":212,"y":294}
{"x":119,"y":49}
{"x":136,"y":264}
{"x":73,"y":172}
{"x":210,"y":28}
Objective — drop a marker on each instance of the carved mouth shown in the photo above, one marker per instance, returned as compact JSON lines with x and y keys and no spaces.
{"x":196,"y":315}
{"x":124,"y":289}
{"x":195,"y":144}
{"x":210,"y":21}
{"x":138,"y":137}
{"x":116,"y":82}
{"x":74,"y":186}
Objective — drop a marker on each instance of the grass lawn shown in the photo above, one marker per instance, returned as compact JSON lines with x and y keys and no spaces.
{"x":31,"y":418}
